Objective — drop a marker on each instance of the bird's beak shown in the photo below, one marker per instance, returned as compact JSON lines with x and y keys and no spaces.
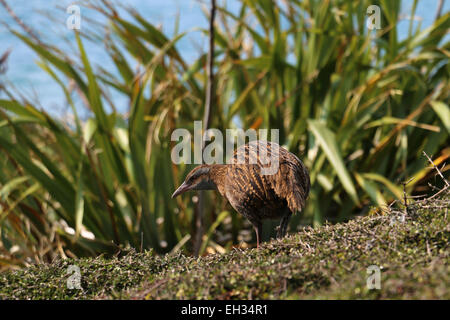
{"x":181,"y":189}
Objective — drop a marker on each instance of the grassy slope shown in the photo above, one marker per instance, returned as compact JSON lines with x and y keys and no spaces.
{"x":328,"y":262}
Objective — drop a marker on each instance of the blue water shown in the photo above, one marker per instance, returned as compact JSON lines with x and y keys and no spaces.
{"x":48,"y":19}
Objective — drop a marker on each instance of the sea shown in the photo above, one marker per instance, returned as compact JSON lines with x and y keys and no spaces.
{"x":48,"y":19}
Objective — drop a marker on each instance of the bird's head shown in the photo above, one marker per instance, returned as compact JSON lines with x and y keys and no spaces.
{"x":198,"y":179}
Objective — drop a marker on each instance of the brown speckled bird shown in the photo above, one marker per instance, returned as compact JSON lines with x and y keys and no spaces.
{"x":253,"y":192}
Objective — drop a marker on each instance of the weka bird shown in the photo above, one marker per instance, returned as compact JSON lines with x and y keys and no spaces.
{"x":250,"y":190}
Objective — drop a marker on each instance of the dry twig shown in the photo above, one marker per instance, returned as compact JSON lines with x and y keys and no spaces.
{"x":19,"y":21}
{"x":207,"y":117}
{"x":437,"y":169}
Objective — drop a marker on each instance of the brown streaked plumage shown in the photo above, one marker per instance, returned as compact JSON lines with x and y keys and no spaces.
{"x":253,"y":192}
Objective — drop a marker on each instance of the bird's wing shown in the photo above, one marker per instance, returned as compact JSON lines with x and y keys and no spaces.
{"x":290,"y":180}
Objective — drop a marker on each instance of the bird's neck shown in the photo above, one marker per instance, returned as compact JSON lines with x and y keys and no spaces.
{"x":217,"y":174}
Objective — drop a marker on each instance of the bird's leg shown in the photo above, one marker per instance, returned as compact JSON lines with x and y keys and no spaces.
{"x":279,"y":229}
{"x":287,"y":218}
{"x":284,"y":225}
{"x":258,"y":229}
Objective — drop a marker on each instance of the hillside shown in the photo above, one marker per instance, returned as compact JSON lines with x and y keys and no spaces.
{"x":329,"y":262}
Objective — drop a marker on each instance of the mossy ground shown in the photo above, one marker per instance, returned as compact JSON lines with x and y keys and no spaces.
{"x":329,"y":262}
